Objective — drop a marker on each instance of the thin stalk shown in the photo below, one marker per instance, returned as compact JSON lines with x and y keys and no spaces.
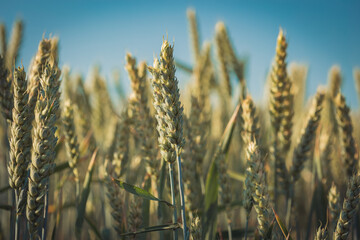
{"x":46,"y":201}
{"x":160,"y":193}
{"x":17,"y":218}
{"x":12,"y":216}
{"x":182,"y":198}
{"x":171,"y":175}
{"x":229,"y":227}
{"x":246,"y":226}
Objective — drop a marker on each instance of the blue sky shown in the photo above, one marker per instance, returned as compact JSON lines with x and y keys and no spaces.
{"x":320,"y":33}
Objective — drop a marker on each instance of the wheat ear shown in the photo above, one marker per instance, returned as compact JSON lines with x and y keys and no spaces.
{"x":142,"y":119}
{"x":169,"y":117}
{"x":12,"y":50}
{"x":44,"y":143}
{"x":334,"y":205}
{"x":6,"y":95}
{"x":194,"y":33}
{"x":307,"y":138}
{"x":72,"y":145}
{"x":349,"y":151}
{"x":2,"y":40}
{"x":348,"y":209}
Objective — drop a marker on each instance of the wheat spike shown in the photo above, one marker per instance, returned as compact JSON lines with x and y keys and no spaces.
{"x":191,"y":177}
{"x":6,"y":95}
{"x":143,"y":121}
{"x":18,"y":164}
{"x":44,"y":143}
{"x":195,"y":229}
{"x":194,"y":33}
{"x":349,"y":151}
{"x":307,"y":138}
{"x":220,"y":49}
{"x":334,"y":204}
{"x":348,"y":209}
{"x":2,"y":40}
{"x":322,"y":234}
{"x":12,"y":50}
{"x":281,"y":110}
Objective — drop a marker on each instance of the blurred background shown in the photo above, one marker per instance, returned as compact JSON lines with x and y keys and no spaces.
{"x":320,"y":34}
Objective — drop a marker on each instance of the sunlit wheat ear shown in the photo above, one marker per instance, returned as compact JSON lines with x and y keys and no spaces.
{"x":44,"y":143}
{"x":19,"y":131}
{"x":303,"y":148}
{"x":349,"y":151}
{"x":36,"y":71}
{"x":12,"y":50}
{"x":334,"y":204}
{"x":348,"y":209}
{"x":220,"y":50}
{"x":236,"y":64}
{"x":169,"y":115}
{"x":194,"y":33}
{"x":6,"y":96}
{"x":335,"y":80}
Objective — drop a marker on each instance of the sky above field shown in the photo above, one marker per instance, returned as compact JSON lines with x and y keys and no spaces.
{"x":320,"y":34}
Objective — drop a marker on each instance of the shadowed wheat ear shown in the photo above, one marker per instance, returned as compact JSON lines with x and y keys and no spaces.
{"x":193,"y":196}
{"x":115,"y":170}
{"x":2,"y":40}
{"x":349,"y":151}
{"x":72,"y":145}
{"x":12,"y":50}
{"x":334,"y":205}
{"x":307,"y":138}
{"x":6,"y":96}
{"x":259,"y":193}
{"x":44,"y":143}
{"x":169,"y":115}
{"x":349,"y":208}
{"x":135,"y":219}
{"x":143,"y":122}
{"x":220,"y":50}
{"x":235,"y":63}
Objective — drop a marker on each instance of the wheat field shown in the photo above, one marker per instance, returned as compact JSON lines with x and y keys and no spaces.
{"x":206,"y":161}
